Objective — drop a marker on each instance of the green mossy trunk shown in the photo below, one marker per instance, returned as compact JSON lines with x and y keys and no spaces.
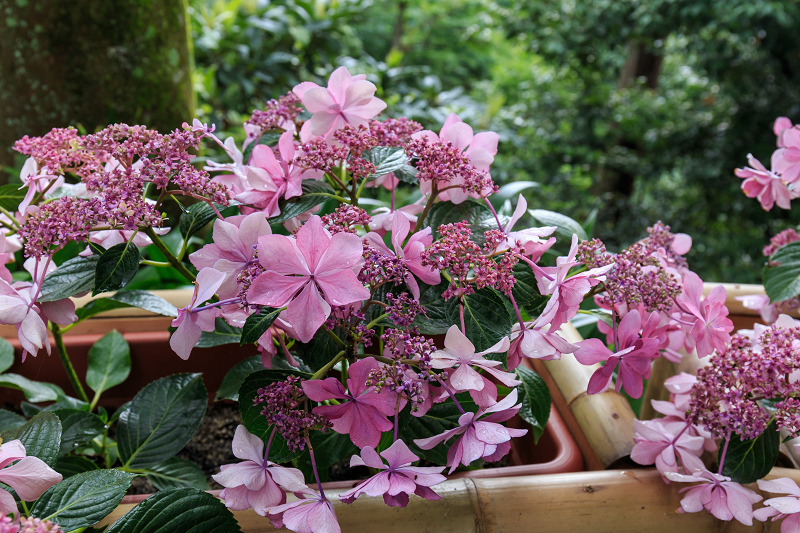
{"x":91,"y":63}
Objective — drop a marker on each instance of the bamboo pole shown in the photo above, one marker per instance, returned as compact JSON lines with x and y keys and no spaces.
{"x":613,"y":501}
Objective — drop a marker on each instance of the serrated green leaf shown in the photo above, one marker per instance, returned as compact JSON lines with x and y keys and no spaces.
{"x":252,"y":418}
{"x":477,"y":214}
{"x":10,"y":420}
{"x":258,"y":323}
{"x":223,"y":334}
{"x":41,"y":436}
{"x":750,"y":460}
{"x":782,"y":282}
{"x":35,"y":391}
{"x":176,"y":472}
{"x":535,"y":398}
{"x":74,"y":464}
{"x":72,"y":277}
{"x":566,"y":227}
{"x":317,"y":352}
{"x":83,"y":499}
{"x":232,"y":382}
{"x":109,"y":362}
{"x":486,"y":318}
{"x":162,"y":418}
{"x":195,"y":218}
{"x":439,"y":314}
{"x":6,"y":355}
{"x":314,"y":193}
{"x":386,"y":159}
{"x":11,"y":196}
{"x":77,"y":427}
{"x":170,"y":511}
{"x":407,"y":174}
{"x":116,"y":267}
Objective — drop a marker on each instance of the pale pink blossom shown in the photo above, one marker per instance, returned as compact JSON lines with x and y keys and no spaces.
{"x":191,"y":322}
{"x":712,"y":327}
{"x":657,"y":444}
{"x":529,"y":239}
{"x":383,"y":217}
{"x":718,"y":495}
{"x":481,"y":434}
{"x":786,"y":159}
{"x":398,"y":479}
{"x":536,"y":341}
{"x":255,"y":482}
{"x":765,"y":185}
{"x":760,"y":303}
{"x":347,"y":100}
{"x":786,"y":507}
{"x":308,"y":274}
{"x":37,"y":180}
{"x":311,"y":513}
{"x":29,"y":476}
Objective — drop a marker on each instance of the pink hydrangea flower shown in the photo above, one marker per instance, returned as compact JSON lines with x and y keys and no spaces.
{"x":786,"y":159}
{"x":765,"y":185}
{"x":347,"y":100}
{"x":411,"y":253}
{"x":311,"y":513}
{"x":786,"y":507}
{"x":308,"y":274}
{"x":718,"y":495}
{"x":383,"y":217}
{"x":27,"y":525}
{"x":398,"y":479}
{"x":28,"y":476}
{"x":191,"y":322}
{"x":529,"y":239}
{"x":536,"y":341}
{"x":712,"y":327}
{"x":482,"y":435}
{"x":657,"y":444}
{"x":363,"y":413}
{"x":255,"y":482}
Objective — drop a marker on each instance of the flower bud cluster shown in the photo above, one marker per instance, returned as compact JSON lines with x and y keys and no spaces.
{"x":345,"y":218}
{"x":444,"y":164}
{"x":281,"y":401}
{"x":394,"y":131}
{"x":277,"y":114}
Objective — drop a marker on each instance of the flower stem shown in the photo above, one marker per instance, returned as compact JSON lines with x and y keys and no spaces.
{"x":421,"y":217}
{"x":62,"y":354}
{"x":450,"y":392}
{"x":169,"y":255}
{"x":269,"y":443}
{"x":314,"y":467}
{"x":724,"y":452}
{"x":325,"y":369}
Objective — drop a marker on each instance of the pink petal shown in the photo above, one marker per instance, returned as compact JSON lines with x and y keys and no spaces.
{"x":275,"y":290}
{"x":318,"y":100}
{"x":307,"y":312}
{"x":313,"y":241}
{"x":342,"y":288}
{"x":321,"y":390}
{"x":342,"y":251}
{"x":398,"y":455}
{"x":30,"y":477}
{"x":247,"y":446}
{"x":280,"y":254}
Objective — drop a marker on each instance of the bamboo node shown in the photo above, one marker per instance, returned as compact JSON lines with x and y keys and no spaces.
{"x":588,"y":488}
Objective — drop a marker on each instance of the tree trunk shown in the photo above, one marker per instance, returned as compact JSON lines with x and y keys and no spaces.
{"x":90,"y":63}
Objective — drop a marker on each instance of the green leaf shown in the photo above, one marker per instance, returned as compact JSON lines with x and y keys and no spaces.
{"x":109,"y":362}
{"x":782,"y":282}
{"x":407,"y":174}
{"x":477,"y":214}
{"x":162,"y":419}
{"x":257,"y":324}
{"x":11,"y":196}
{"x":171,"y":511}
{"x":535,"y":398}
{"x":35,"y":391}
{"x":318,"y":352}
{"x":142,"y":299}
{"x":83,"y":499}
{"x":41,"y":436}
{"x":229,"y":389}
{"x":6,"y":355}
{"x":439,"y":314}
{"x":74,"y":464}
{"x":72,"y":277}
{"x":223,"y":334}
{"x":566,"y":226}
{"x":526,"y":290}
{"x":116,"y":267}
{"x":486,"y":318}
{"x":177,"y":472}
{"x":314,"y":193}
{"x":195,"y":218}
{"x":439,"y":418}
{"x":252,"y":418}
{"x":750,"y":460}
{"x":386,"y":159}
{"x":10,"y":420}
{"x":77,"y":427}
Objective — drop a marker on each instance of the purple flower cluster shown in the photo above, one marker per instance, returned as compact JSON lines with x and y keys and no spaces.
{"x":380,"y":268}
{"x":445,"y":165}
{"x":345,"y":218}
{"x":319,"y":155}
{"x":62,"y":150}
{"x":281,"y":402}
{"x":394,"y":131}
{"x":277,"y":114}
{"x":780,"y":240}
{"x":27,"y":525}
{"x":403,"y":309}
{"x":399,"y":376}
{"x":358,"y":139}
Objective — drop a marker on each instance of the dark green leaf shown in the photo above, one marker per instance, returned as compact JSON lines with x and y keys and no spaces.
{"x":83,"y":499}
{"x":109,"y":362}
{"x":116,"y":267}
{"x":6,"y":355}
{"x":178,"y":510}
{"x":10,"y":420}
{"x":439,"y":418}
{"x":477,"y":214}
{"x":314,"y":193}
{"x":252,"y":418}
{"x":526,"y":290}
{"x":566,"y":226}
{"x":782,"y":282}
{"x":407,"y":174}
{"x":74,"y":464}
{"x":486,"y":318}
{"x":77,"y":427}
{"x":96,"y":248}
{"x":535,"y":398}
{"x":177,"y":472}
{"x":195,"y":218}
{"x":386,"y":159}
{"x":330,"y":448}
{"x":121,"y":409}
{"x":72,"y":277}
{"x":257,"y":324}
{"x":35,"y":391}
{"x":41,"y":436}
{"x":317,"y":352}
{"x":439,"y":314}
{"x":11,"y":196}
{"x":750,"y":460}
{"x":141,"y":299}
{"x":268,"y":139}
{"x":162,"y":419}
{"x":229,"y":389}
{"x":223,"y":334}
